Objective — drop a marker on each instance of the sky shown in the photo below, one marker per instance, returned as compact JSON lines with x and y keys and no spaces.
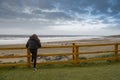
{"x":60,"y":17}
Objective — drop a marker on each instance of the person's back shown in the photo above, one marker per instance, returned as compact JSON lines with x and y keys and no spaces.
{"x":33,"y":44}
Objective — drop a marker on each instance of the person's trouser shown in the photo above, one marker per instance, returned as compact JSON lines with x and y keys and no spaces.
{"x":34,"y":56}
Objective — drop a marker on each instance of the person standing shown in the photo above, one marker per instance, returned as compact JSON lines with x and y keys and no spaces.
{"x":33,"y":44}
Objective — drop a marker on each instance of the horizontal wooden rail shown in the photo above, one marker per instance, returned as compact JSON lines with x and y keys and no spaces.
{"x":76,"y":54}
{"x":57,"y":47}
{"x":94,"y":45}
{"x":17,"y":64}
{"x":54,"y":62}
{"x":95,"y":52}
{"x":13,"y":56}
{"x":12,"y":48}
{"x":55,"y":54}
{"x":95,"y":59}
{"x":44,"y":47}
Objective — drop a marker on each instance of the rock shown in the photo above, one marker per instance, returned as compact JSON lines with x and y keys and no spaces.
{"x":21,"y":61}
{"x":0,"y":61}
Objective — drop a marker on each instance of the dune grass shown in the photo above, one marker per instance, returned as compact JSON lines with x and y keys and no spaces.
{"x":86,"y":71}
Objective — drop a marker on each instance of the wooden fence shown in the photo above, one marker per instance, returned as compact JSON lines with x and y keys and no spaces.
{"x":75,"y":53}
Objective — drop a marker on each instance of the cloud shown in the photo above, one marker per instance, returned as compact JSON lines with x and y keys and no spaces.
{"x":57,"y":9}
{"x":60,"y":15}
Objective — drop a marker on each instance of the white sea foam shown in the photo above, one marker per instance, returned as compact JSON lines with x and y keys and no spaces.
{"x":23,"y":40}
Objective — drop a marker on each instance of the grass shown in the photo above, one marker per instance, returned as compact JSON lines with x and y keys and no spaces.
{"x":85,"y":71}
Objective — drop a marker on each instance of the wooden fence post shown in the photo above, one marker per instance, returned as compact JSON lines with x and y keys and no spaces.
{"x":75,"y":54}
{"x":73,"y":51}
{"x":28,"y":58}
{"x":116,"y":52}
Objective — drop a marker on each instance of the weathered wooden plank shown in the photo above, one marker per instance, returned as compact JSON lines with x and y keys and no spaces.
{"x":95,"y":52}
{"x":55,"y":54}
{"x":93,"y":45}
{"x":57,"y":62}
{"x":13,"y":56}
{"x":18,"y":64}
{"x":96,"y":59}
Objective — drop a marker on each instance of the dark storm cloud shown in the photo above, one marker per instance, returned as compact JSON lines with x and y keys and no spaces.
{"x":108,"y":7}
{"x":45,"y":13}
{"x":14,"y":8}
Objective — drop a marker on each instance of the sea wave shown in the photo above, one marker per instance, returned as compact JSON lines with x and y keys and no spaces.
{"x":22,"y":40}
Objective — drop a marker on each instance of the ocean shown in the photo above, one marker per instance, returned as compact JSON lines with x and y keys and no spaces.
{"x":22,"y":39}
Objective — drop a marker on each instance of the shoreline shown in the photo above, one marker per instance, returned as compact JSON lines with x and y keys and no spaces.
{"x":56,"y":50}
{"x":69,"y":42}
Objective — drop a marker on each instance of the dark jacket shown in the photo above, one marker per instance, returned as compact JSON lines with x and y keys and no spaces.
{"x":33,"y":44}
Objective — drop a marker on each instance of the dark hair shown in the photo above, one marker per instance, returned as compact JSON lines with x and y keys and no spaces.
{"x":35,"y":37}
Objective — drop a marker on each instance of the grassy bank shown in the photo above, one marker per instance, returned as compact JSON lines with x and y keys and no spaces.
{"x":89,"y":71}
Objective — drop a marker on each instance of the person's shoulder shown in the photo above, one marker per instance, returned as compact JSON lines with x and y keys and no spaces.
{"x":31,"y":40}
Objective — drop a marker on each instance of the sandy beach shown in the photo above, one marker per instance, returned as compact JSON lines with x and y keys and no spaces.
{"x":57,"y":50}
